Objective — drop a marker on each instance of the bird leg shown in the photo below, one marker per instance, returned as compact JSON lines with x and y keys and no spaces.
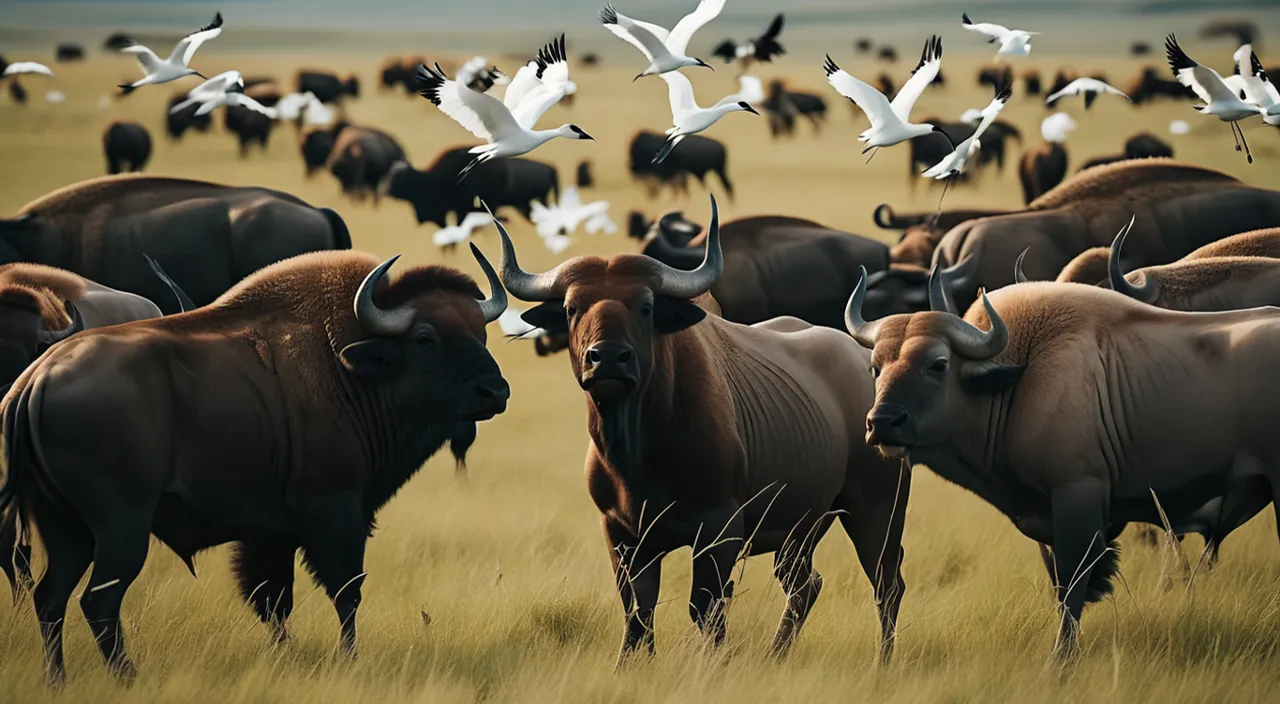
{"x":875,"y":150}
{"x":1247,"y":154}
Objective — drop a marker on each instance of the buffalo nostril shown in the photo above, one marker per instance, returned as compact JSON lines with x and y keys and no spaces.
{"x":593,"y":356}
{"x":899,"y":421}
{"x":624,"y":357}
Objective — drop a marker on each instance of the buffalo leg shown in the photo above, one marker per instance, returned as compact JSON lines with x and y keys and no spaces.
{"x":70,"y":549}
{"x":873,"y":518}
{"x":334,"y":549}
{"x":15,"y":557}
{"x":801,"y":584}
{"x":715,"y":551}
{"x":264,"y":573}
{"x":118,"y":555}
{"x":1079,"y":539}
{"x":638,"y":574}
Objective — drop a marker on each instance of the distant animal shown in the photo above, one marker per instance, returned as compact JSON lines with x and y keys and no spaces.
{"x":863,"y":46}
{"x":249,"y":126}
{"x":436,"y":192}
{"x":1061,"y":80}
{"x":390,"y":73}
{"x":326,"y":86}
{"x":1090,"y":87}
{"x":1137,"y":49}
{"x":1239,"y":30}
{"x":127,"y":146}
{"x":993,"y":77}
{"x":1013,"y":42}
{"x":117,"y":41}
{"x":68,"y":52}
{"x":761,"y":48}
{"x":750,"y":402}
{"x":1030,"y":82}
{"x":696,"y":156}
{"x":177,"y":124}
{"x":344,"y":389}
{"x":884,"y":84}
{"x":887,"y":53}
{"x":589,"y":59}
{"x":17,"y":93}
{"x":921,"y":232}
{"x":584,"y":177}
{"x":1178,"y":208}
{"x":206,"y":236}
{"x":1041,"y":168}
{"x":782,"y":106}
{"x":177,"y":65}
{"x":361,"y":159}
{"x":1144,"y":145}
{"x":316,"y":144}
{"x":1148,"y":86}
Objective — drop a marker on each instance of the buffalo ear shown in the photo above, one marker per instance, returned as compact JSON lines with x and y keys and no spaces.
{"x":377,"y":357}
{"x":989,"y":377}
{"x":549,"y":316}
{"x":673,"y":315}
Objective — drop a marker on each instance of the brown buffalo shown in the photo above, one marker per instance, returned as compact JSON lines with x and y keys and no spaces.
{"x":207,"y":236}
{"x":361,"y":160}
{"x":1071,"y":406}
{"x":336,"y":386}
{"x":727,"y":438}
{"x":126,"y":145}
{"x":1041,"y":168}
{"x":1178,"y":208}
{"x":1255,"y":243}
{"x":922,"y":231}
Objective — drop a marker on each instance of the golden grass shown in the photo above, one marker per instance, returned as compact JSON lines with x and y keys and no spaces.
{"x":508,"y":561}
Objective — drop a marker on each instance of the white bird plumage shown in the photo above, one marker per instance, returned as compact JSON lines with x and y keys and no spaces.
{"x":1055,"y":127}
{"x":1090,"y":87}
{"x":209,"y":90}
{"x":954,"y":162}
{"x":890,"y":121}
{"x":506,"y":131}
{"x":513,"y":325}
{"x":686,"y":117}
{"x":24,"y":68}
{"x":177,"y":65}
{"x":1207,"y":84}
{"x":1013,"y":42}
{"x":456,"y":234}
{"x":1259,"y":90}
{"x":665,"y":50}
{"x":750,"y":91}
{"x":564,"y":217}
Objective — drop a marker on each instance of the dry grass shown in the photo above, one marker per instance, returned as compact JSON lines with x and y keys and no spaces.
{"x":509,"y":562}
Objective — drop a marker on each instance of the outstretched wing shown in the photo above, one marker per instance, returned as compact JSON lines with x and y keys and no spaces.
{"x":245,"y":101}
{"x":481,"y":115}
{"x":993,"y":32}
{"x":775,"y":28}
{"x":679,"y":93}
{"x":1204,"y":81}
{"x":526,"y":80}
{"x":186,"y":48}
{"x":993,"y":109}
{"x":220,"y":83}
{"x":921,"y":77}
{"x":25,"y":67}
{"x":1258,"y":88}
{"x":146,"y":57}
{"x":551,"y":73}
{"x":872,"y":101}
{"x":707,"y":10}
{"x":648,"y":38}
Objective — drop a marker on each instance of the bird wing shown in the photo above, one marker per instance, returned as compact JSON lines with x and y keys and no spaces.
{"x":992,"y":110}
{"x":28,"y":67}
{"x":146,"y":57}
{"x":481,"y":115}
{"x":648,"y":38}
{"x":679,"y":93}
{"x":475,"y":220}
{"x":775,"y":28}
{"x":1258,"y":88}
{"x":993,"y":32}
{"x":186,"y":47}
{"x":245,"y":101}
{"x":513,"y":325}
{"x":871,"y":101}
{"x":921,"y":77}
{"x":526,"y":80}
{"x":208,"y":105}
{"x":470,"y":69}
{"x":220,"y":83}
{"x":551,"y":74}
{"x":1204,"y":81}
{"x":954,"y":161}
{"x":678,"y":41}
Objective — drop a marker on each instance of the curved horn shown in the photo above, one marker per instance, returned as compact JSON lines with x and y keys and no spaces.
{"x":1147,"y":291}
{"x":523,"y":285}
{"x":939,"y":301}
{"x":389,"y":323}
{"x":862,"y":331}
{"x":973,"y":343}
{"x":1018,"y":275}
{"x":496,"y":304}
{"x":691,"y":284}
{"x":660,"y":248}
{"x":887,"y":219}
{"x":48,"y":338}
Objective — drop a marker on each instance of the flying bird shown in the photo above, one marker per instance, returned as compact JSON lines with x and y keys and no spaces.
{"x":453,"y":235}
{"x":954,"y":162}
{"x":1218,"y":99}
{"x":1090,"y":87}
{"x":210,"y":89}
{"x":176,"y":66}
{"x":1260,"y":91}
{"x":514,"y":326}
{"x":24,"y":68}
{"x":665,"y":50}
{"x":890,"y":121}
{"x":1013,"y":42}
{"x":761,"y":48}
{"x":476,"y":75}
{"x":507,"y":126}
{"x":687,"y":117}
{"x":750,"y":90}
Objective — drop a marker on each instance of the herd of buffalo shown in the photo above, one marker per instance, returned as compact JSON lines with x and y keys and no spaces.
{"x":1097,"y":358}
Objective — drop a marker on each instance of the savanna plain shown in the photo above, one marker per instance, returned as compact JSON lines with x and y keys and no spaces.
{"x":493,"y":584}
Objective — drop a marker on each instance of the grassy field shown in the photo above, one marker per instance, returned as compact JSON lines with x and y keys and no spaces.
{"x":495,"y":585}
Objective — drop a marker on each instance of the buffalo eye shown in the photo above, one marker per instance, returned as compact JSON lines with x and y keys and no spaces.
{"x":875,"y":371}
{"x":646,"y":310}
{"x":939,"y":366}
{"x":570,"y":312}
{"x":426,"y":339}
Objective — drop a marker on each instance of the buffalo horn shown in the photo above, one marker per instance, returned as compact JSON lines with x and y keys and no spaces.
{"x":1020,"y":276}
{"x":676,"y":283}
{"x":389,"y":323}
{"x":522,"y":284}
{"x":51,"y":337}
{"x":496,"y":304}
{"x":1147,"y":291}
{"x":861,"y":330}
{"x":938,"y":298}
{"x":973,"y":343}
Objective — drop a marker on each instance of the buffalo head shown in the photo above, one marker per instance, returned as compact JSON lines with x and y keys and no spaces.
{"x":613,"y":309}
{"x":426,"y":191}
{"x":904,"y":288}
{"x":926,"y":365}
{"x":427,"y":341}
{"x":32,"y":319}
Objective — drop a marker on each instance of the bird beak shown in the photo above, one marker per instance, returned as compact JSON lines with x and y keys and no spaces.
{"x":751,"y":110}
{"x":638,"y":77}
{"x":587,"y":136}
{"x":705,"y":64}
{"x":202,"y":75}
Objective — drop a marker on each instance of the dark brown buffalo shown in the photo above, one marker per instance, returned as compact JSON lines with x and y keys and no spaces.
{"x":1150,"y":84}
{"x":436,"y":191}
{"x":1060,"y":80}
{"x":1041,"y":168}
{"x":316,"y":144}
{"x":207,"y":236}
{"x":177,"y":124}
{"x":69,"y":52}
{"x":1142,"y":145}
{"x":731,"y":439}
{"x":1071,"y":407}
{"x":1030,"y":81}
{"x":127,"y":146}
{"x":779,"y":266}
{"x":249,"y":126}
{"x":16,"y":92}
{"x":283,"y":417}
{"x":921,"y":232}
{"x":994,"y":77}
{"x":361,"y":160}
{"x":929,"y":149}
{"x":1178,"y":208}
{"x":326,"y":86}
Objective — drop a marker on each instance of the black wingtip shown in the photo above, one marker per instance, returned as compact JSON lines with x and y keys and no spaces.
{"x":964,"y":18}
{"x":1178,"y":59}
{"x":1005,"y":92}
{"x":216,"y":23}
{"x":1257,"y":67}
{"x":430,"y":83}
{"x":126,"y":88}
{"x":830,"y":66}
{"x":608,"y":15}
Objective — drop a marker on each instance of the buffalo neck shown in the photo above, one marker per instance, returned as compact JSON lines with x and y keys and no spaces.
{"x":968,"y":451}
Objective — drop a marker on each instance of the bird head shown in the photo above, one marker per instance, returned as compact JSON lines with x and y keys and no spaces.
{"x":574,"y":132}
{"x":746,"y":107}
{"x":700,"y":62}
